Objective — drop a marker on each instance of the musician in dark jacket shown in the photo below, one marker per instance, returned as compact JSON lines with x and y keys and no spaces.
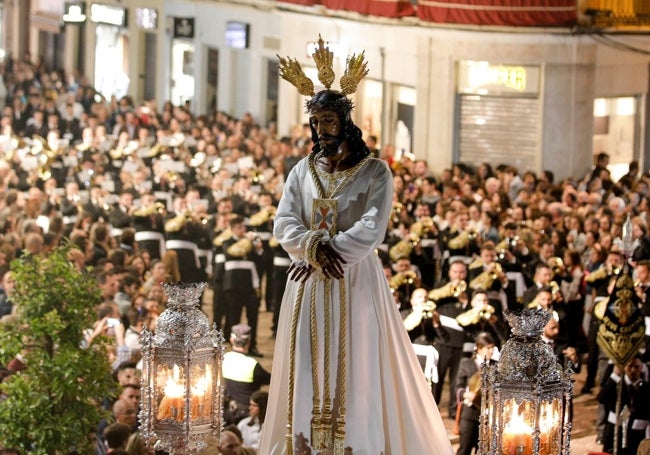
{"x":636,"y":397}
{"x":241,"y":283}
{"x":468,"y":388}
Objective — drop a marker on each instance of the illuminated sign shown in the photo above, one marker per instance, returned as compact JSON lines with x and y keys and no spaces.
{"x":237,"y":34}
{"x":105,"y":14}
{"x":146,"y":18}
{"x":484,"y":78}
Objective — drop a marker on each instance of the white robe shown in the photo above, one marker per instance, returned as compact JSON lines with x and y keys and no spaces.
{"x":390,"y":408}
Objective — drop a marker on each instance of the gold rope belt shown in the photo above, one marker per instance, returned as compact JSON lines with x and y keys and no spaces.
{"x":322,"y":436}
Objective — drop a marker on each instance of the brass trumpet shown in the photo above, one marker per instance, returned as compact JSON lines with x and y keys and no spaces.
{"x":505,"y":245}
{"x":485,"y":279}
{"x":400,"y":278}
{"x":397,"y":209}
{"x":256,"y":176}
{"x":176,"y":224}
{"x":420,"y":227}
{"x":475,"y":315}
{"x":262,"y":217}
{"x":404,"y":247}
{"x":151,"y":209}
{"x":451,"y":289}
{"x":428,"y":309}
{"x":240,"y":248}
{"x":45,"y":156}
{"x":614,"y":270}
{"x":557,"y":265}
{"x":603,"y":272}
{"x":225,"y":235}
{"x":462,"y":239}
{"x":555,"y":289}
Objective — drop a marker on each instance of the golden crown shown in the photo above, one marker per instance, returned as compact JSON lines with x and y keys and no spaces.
{"x":355,"y":70}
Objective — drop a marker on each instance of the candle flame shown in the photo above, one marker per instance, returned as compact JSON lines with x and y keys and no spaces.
{"x":173,"y":388}
{"x":202,"y":385}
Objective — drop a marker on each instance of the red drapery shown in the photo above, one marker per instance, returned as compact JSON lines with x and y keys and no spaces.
{"x":385,"y":8}
{"x":499,"y":12}
{"x":302,"y":2}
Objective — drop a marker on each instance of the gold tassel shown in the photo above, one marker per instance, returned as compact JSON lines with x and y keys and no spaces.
{"x":289,"y":439}
{"x":317,"y":430}
{"x":326,"y":424}
{"x":339,"y":437}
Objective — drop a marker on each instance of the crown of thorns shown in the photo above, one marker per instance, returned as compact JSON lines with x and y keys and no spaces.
{"x":355,"y":70}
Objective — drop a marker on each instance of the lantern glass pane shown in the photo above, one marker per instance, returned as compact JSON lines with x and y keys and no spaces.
{"x":201,"y":392}
{"x":550,"y":426}
{"x":518,"y":421}
{"x":171,"y":392}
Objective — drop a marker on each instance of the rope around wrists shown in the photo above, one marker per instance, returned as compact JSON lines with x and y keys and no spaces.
{"x":314,"y":238}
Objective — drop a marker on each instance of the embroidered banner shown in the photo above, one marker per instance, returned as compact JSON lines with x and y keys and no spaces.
{"x":622,"y":327}
{"x":549,"y":13}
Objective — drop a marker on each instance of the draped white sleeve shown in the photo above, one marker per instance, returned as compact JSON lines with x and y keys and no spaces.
{"x":370,"y":191}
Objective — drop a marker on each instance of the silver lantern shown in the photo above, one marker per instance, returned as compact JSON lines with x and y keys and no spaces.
{"x":527,"y":394}
{"x":181,"y":375}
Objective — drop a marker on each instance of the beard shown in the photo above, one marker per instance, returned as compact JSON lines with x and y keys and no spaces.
{"x":331,"y":146}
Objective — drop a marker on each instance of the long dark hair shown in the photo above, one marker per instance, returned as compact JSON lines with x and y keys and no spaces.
{"x":261,"y":399}
{"x":331,"y":100}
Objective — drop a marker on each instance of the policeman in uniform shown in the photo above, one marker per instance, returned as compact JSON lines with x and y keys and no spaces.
{"x":242,"y":373}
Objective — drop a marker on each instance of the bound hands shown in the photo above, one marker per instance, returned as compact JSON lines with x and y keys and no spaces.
{"x":331,"y":264}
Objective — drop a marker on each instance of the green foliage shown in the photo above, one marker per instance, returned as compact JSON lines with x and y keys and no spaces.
{"x":54,"y":404}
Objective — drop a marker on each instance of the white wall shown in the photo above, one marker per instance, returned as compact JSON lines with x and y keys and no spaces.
{"x":574,"y":69}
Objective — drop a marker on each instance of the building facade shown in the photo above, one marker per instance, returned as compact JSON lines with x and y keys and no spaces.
{"x":535,"y":97}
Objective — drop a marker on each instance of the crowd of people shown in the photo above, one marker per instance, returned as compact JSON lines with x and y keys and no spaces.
{"x":147,"y":195}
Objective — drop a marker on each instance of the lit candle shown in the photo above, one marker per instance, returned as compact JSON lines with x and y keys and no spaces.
{"x":517,"y":437}
{"x":171,"y":404}
{"x":548,"y":426}
{"x":201,"y":394}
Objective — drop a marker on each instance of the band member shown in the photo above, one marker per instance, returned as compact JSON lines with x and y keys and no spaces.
{"x":241,"y":283}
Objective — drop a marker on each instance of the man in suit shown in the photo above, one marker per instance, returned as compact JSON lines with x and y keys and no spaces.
{"x":541,"y":278}
{"x":563,"y":352}
{"x":492,"y":278}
